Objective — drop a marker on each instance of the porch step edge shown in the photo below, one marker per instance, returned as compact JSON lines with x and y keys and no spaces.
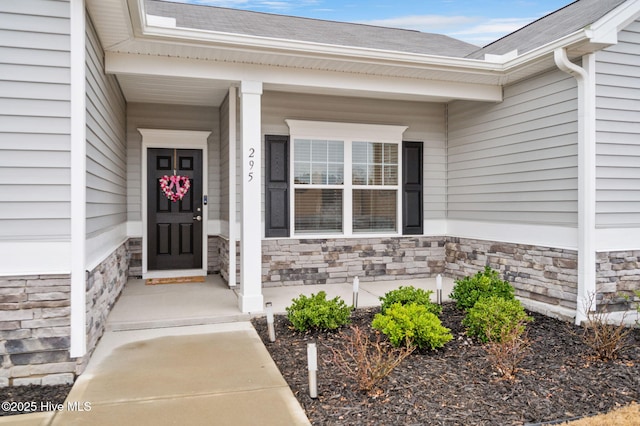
{"x":166,"y":323}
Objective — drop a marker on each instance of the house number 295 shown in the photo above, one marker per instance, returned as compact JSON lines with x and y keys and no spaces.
{"x":252,"y":163}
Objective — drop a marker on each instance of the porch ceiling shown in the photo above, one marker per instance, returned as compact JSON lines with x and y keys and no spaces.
{"x":173,"y":90}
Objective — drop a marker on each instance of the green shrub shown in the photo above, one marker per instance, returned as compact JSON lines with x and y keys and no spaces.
{"x":406,"y":295}
{"x":468,"y":290}
{"x":317,"y":312}
{"x":412,"y":324}
{"x":492,"y":318}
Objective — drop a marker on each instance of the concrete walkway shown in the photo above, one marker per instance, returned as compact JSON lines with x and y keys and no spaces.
{"x":184,"y":355}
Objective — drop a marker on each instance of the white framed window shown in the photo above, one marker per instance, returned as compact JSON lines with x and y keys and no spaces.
{"x":345,"y":178}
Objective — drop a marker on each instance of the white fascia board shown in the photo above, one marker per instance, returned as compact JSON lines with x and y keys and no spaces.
{"x":35,"y":258}
{"x":496,"y":67}
{"x":124,"y":63}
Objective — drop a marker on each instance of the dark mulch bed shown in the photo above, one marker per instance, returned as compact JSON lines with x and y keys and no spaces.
{"x":31,"y":399}
{"x":456,"y":384}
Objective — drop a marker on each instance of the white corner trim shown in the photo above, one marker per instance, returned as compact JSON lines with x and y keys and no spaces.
{"x":35,"y":258}
{"x":78,"y":179}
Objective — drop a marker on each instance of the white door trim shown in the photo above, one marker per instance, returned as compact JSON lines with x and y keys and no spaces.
{"x":181,"y":139}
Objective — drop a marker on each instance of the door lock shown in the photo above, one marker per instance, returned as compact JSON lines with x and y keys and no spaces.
{"x":198,"y":218}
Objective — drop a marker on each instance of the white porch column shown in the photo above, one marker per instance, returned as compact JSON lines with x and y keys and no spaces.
{"x":250,"y":298}
{"x":232,"y":187}
{"x":78,"y":182}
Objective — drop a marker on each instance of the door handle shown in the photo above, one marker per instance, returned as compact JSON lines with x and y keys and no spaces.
{"x":198,"y":218}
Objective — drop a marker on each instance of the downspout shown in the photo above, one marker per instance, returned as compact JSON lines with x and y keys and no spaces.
{"x":585,"y":76}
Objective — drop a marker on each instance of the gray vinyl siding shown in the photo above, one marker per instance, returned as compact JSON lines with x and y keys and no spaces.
{"x":170,"y":117}
{"x":425,"y":121}
{"x":35,"y":110}
{"x":516,"y":161}
{"x":106,"y":145}
{"x":618,"y":131}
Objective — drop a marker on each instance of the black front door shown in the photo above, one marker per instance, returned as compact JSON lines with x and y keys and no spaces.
{"x":174,"y":227}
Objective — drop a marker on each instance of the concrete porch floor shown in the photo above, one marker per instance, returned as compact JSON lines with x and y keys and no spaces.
{"x":143,"y":306}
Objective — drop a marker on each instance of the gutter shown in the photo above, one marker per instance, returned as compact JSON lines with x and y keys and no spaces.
{"x":585,"y":77}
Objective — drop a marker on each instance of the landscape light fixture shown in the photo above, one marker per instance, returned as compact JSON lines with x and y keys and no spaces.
{"x":312,"y":365}
{"x":356,"y":288}
{"x":270,"y":326}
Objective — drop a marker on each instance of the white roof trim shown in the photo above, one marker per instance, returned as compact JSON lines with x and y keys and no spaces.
{"x":503,"y":63}
{"x":606,"y":29}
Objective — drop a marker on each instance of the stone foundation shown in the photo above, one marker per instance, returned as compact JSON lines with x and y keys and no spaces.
{"x":617,"y":279}
{"x":35,"y":330}
{"x":104,"y":285}
{"x":215,"y":251}
{"x":302,"y":261}
{"x":541,"y":274}
{"x":224,"y":259}
{"x":35,"y":321}
{"x":134,"y":248}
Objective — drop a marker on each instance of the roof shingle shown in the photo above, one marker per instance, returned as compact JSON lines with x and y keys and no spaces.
{"x":309,"y":30}
{"x":554,"y":26}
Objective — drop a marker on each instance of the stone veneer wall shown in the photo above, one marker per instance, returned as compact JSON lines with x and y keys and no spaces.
{"x":540,"y":274}
{"x":134,"y":248}
{"x":223,"y":244}
{"x":35,"y":321}
{"x":543,"y":274}
{"x":35,"y":330}
{"x":104,"y":285}
{"x":618,"y":278}
{"x":215,"y":252}
{"x":307,"y":261}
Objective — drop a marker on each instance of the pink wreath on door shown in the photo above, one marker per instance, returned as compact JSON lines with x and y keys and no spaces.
{"x":175,"y":187}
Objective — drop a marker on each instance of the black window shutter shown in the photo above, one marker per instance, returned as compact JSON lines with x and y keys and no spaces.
{"x":277,"y":186}
{"x":412,"y":208}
